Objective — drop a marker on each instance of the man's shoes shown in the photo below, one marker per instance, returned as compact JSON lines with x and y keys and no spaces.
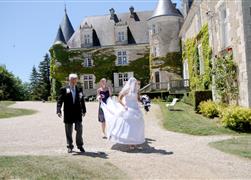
{"x":81,"y":149}
{"x":69,"y":150}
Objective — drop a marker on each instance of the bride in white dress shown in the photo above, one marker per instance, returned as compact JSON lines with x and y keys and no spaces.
{"x":124,"y":118}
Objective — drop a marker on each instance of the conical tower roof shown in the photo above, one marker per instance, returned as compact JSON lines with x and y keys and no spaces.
{"x":66,"y":27}
{"x":165,"y":8}
{"x":59,"y":37}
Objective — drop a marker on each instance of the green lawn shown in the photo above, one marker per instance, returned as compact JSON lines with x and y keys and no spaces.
{"x":6,"y":112}
{"x":183,"y":119}
{"x":59,"y":167}
{"x":240,"y":146}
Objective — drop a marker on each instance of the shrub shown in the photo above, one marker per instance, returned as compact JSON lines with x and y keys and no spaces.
{"x":170,"y":98}
{"x":209,"y":109}
{"x":237,"y":118}
{"x":188,"y":99}
{"x":200,"y":96}
{"x":157,"y":100}
{"x":222,"y":107}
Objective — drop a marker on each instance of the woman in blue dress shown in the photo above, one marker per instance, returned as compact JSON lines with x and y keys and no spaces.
{"x":103,"y":93}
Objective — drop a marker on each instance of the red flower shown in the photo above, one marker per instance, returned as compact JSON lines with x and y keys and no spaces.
{"x":229,"y":49}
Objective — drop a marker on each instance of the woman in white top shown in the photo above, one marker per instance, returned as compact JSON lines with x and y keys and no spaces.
{"x":124,"y":117}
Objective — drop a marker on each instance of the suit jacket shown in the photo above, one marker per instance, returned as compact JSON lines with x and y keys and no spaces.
{"x":72,"y":112}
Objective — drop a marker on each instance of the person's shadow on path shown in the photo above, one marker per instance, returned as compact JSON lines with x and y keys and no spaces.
{"x":102,"y":155}
{"x":144,"y":148}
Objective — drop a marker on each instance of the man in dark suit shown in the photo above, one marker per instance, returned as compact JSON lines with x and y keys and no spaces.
{"x":74,"y":108}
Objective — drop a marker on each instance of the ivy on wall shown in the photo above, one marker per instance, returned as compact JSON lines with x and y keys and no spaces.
{"x":225,"y":71}
{"x":190,"y":53}
{"x":172,"y":62}
{"x":65,"y":61}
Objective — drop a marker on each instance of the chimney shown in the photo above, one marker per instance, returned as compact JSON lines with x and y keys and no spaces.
{"x":132,"y":11}
{"x":112,"y":12}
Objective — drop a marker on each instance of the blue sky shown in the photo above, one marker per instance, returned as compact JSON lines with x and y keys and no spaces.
{"x":28,"y":28}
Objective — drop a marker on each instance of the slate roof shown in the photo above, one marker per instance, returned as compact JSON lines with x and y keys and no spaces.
{"x":59,"y":37}
{"x":165,"y":8}
{"x":104,"y":28}
{"x":65,"y":30}
{"x":66,"y":27}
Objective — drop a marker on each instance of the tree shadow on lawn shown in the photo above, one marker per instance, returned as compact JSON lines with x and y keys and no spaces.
{"x":143,"y":148}
{"x":176,"y":110}
{"x":102,"y":155}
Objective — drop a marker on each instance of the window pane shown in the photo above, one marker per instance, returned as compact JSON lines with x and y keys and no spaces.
{"x":90,"y":84}
{"x":119,"y":60}
{"x":120,"y":82}
{"x":122,"y":36}
{"x":224,"y":14}
{"x":155,"y":51}
{"x":86,"y":84}
{"x":89,"y":62}
{"x":124,"y":60}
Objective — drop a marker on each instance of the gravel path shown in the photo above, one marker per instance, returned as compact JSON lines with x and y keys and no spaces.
{"x":165,"y":155}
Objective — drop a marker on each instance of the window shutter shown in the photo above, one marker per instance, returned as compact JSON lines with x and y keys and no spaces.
{"x":116,"y":79}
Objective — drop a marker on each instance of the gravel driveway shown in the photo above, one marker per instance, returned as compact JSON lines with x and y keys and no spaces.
{"x":165,"y":155}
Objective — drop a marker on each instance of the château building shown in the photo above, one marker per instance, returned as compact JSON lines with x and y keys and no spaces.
{"x":162,"y":48}
{"x":120,"y":45}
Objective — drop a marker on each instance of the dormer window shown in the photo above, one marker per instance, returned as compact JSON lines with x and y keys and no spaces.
{"x":87,"y":39}
{"x":121,"y":33}
{"x":86,"y":32}
{"x":122,"y":58}
{"x":121,"y":36}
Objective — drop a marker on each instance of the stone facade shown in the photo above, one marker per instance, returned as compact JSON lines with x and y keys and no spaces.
{"x":229,"y":27}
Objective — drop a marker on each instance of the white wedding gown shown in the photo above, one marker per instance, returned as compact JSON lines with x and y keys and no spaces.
{"x":124,"y":126}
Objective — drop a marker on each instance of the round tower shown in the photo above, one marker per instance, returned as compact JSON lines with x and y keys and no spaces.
{"x":164,"y":26}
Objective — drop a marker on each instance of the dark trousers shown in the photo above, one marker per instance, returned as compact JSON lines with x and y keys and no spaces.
{"x":79,"y":131}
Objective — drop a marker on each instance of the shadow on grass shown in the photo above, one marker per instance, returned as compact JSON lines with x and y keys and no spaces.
{"x":102,"y":155}
{"x":144,"y":148}
{"x":176,"y":110}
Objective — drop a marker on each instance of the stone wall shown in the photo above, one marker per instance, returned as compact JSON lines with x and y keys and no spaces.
{"x":238,"y":17}
{"x":246,"y":6}
{"x":166,"y":38}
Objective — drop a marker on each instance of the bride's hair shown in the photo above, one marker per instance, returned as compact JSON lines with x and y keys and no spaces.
{"x":130,"y":87}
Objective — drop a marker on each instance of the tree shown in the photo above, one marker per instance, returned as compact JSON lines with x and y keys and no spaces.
{"x":44,"y":78}
{"x":34,"y":86}
{"x":11,"y":87}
